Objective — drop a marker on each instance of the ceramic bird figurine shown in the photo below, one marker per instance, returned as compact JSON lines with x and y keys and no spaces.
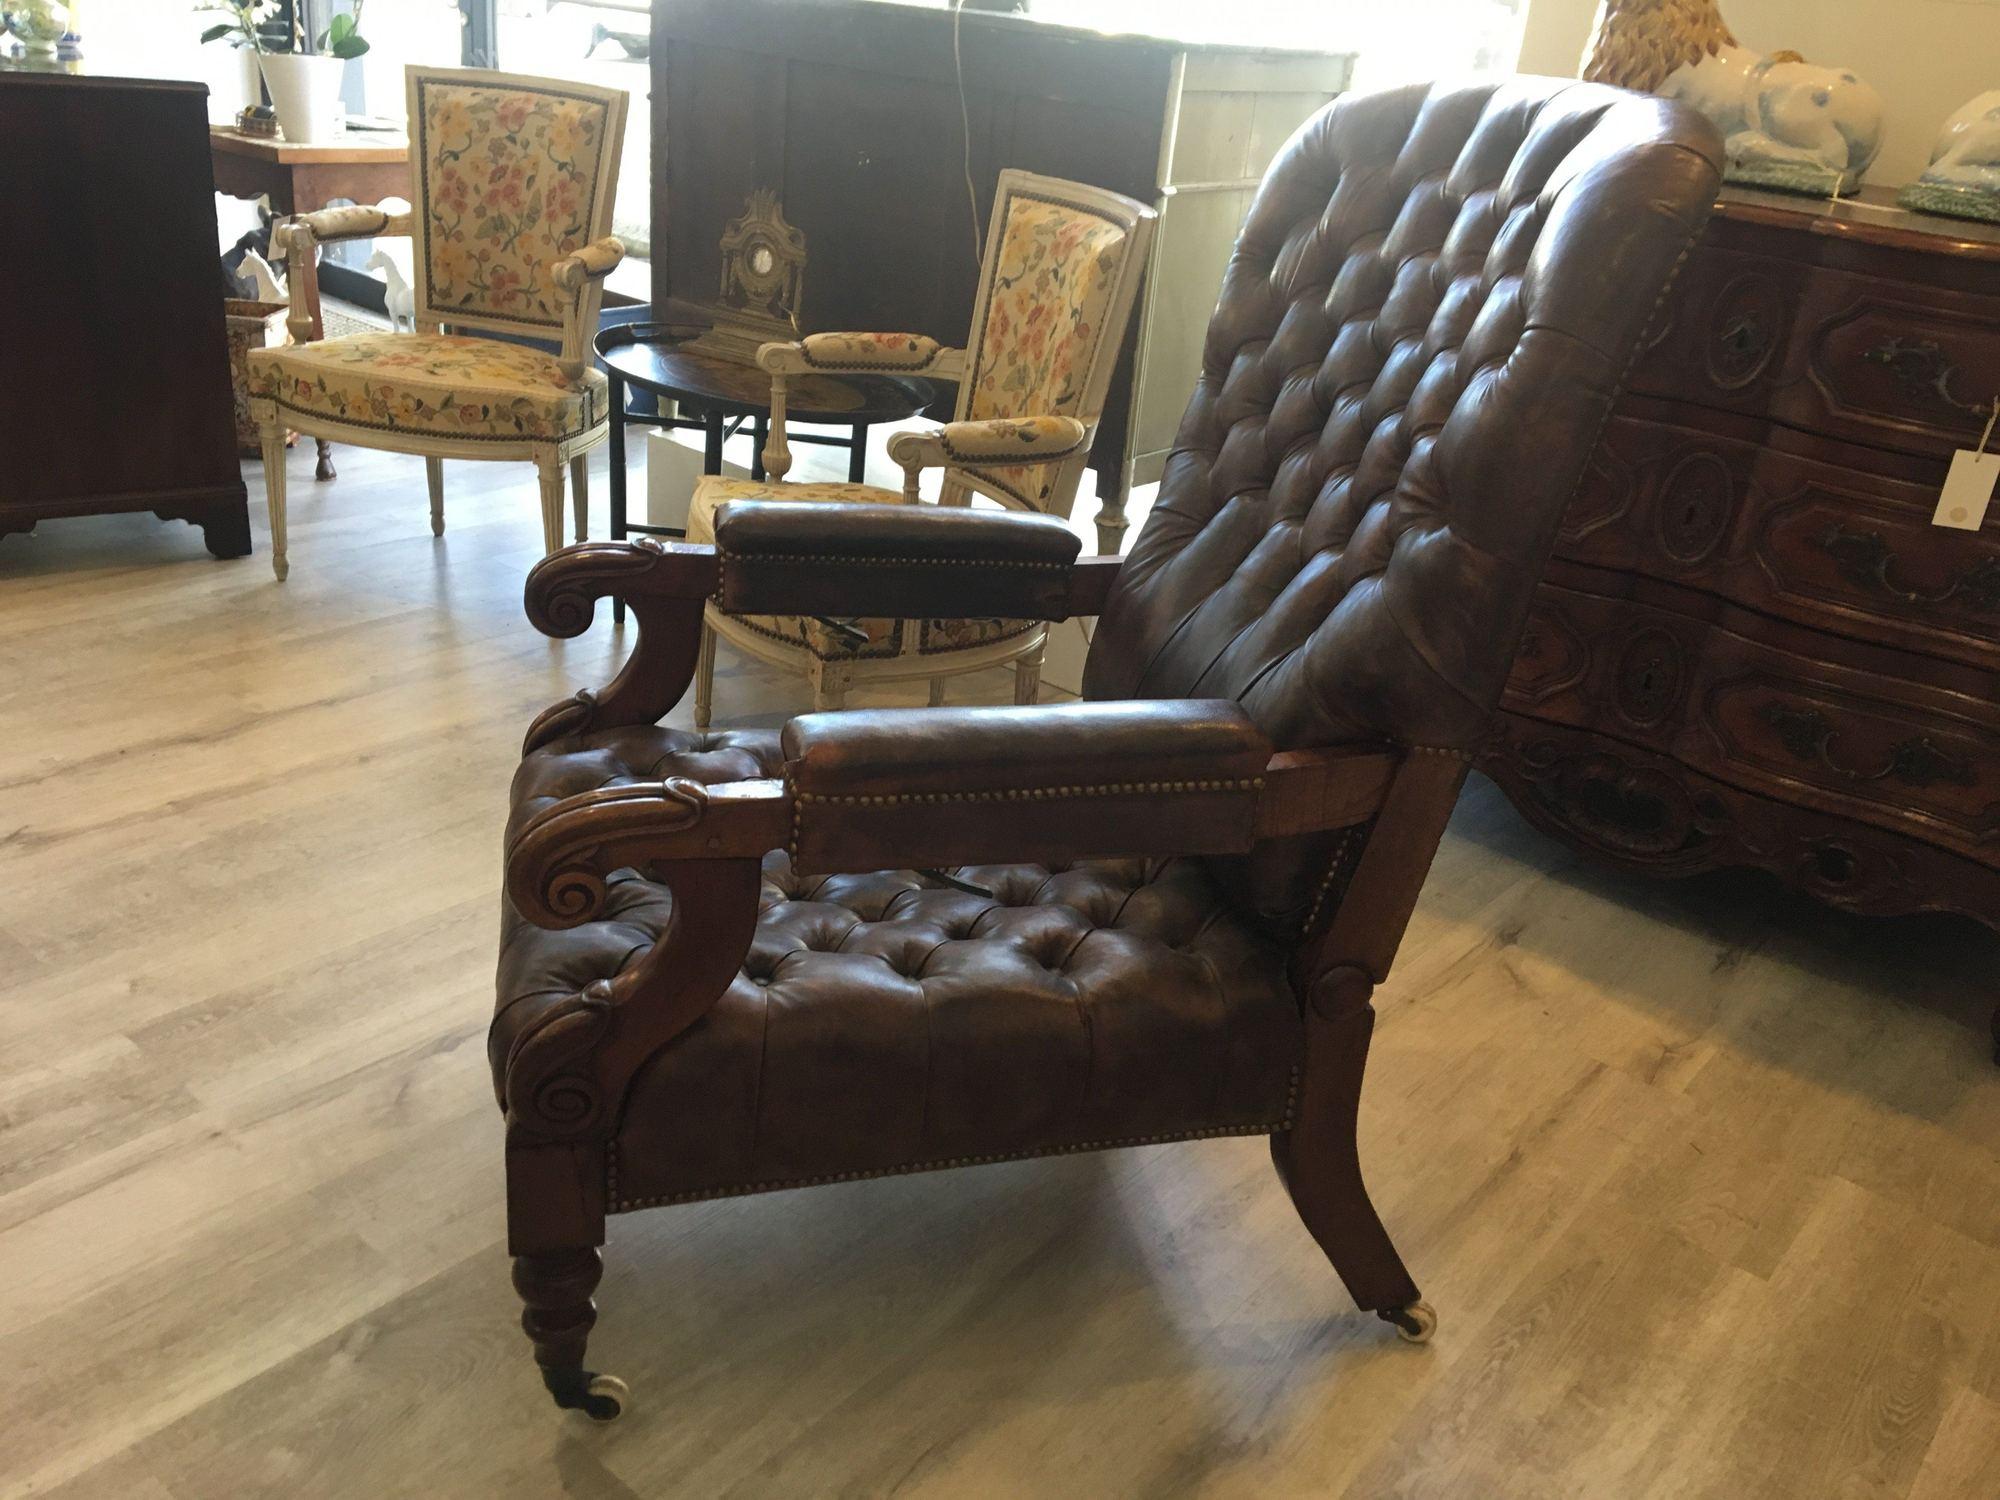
{"x":396,"y":293}
{"x":1789,"y":124}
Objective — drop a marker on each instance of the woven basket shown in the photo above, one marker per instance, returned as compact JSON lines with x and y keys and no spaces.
{"x":252,"y":325}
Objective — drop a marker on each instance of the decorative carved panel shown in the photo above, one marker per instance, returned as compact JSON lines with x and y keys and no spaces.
{"x":1652,"y":674}
{"x":1646,"y":812}
{"x":1603,"y":499}
{"x":1746,"y":329}
{"x":1696,"y":504}
{"x":1828,"y":554}
{"x":1872,"y":748}
{"x":1551,"y":658}
{"x":1886,"y":366}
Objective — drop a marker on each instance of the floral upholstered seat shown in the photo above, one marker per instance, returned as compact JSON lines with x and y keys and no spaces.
{"x":437,"y":383}
{"x":1062,"y":269}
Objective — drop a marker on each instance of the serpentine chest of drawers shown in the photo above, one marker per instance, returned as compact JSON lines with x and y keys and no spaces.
{"x":1753,"y":647}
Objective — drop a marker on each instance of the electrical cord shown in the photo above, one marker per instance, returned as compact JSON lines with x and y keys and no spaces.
{"x":965,"y":128}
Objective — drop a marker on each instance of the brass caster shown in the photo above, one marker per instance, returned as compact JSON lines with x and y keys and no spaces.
{"x":602,"y":1398}
{"x":281,"y":568}
{"x":1414,"y":1324}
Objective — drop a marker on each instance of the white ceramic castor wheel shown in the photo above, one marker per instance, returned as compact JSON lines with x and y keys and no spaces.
{"x":602,"y":1398}
{"x":1414,"y":1324}
{"x":606,"y":1398}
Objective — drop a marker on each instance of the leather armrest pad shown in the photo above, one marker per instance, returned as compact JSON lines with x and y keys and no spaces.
{"x":889,"y":788}
{"x":911,"y":561}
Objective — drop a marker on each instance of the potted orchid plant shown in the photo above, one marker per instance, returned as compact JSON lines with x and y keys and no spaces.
{"x":301,"y":68}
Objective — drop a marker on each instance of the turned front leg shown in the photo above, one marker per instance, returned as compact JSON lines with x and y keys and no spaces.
{"x":556,"y":1288}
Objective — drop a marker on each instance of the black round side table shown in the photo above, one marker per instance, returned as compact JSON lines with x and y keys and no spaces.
{"x":719,"y":394}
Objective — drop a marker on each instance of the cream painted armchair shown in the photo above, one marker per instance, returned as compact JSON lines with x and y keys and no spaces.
{"x":516,"y":178}
{"x":1061,"y":272}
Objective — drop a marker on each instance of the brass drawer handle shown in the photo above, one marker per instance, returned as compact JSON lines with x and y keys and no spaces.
{"x":1917,"y":761}
{"x":1865,"y":559}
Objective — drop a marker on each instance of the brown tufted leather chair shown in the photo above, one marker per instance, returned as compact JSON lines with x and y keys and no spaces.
{"x":890,"y":941}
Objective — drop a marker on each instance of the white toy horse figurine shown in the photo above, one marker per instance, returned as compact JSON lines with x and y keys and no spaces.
{"x":260,"y":270}
{"x":401,"y":301}
{"x":1788,"y":123}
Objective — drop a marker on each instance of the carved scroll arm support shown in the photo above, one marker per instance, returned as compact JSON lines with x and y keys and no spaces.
{"x":664,"y":584}
{"x":566,"y":1075}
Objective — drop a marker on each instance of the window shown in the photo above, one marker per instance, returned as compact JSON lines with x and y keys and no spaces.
{"x":1399,"y":41}
{"x":601,"y":42}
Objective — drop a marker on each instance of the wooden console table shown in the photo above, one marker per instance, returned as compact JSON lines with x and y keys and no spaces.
{"x":1753,"y":647}
{"x":366,"y":167}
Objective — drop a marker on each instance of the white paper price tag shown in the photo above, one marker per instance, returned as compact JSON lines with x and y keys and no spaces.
{"x":1968,"y":490}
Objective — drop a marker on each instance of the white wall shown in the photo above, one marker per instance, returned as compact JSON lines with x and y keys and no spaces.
{"x":161,"y":39}
{"x":1927,"y":57}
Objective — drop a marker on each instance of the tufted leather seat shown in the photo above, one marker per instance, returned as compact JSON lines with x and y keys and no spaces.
{"x":1104,"y":1003}
{"x":1425,"y":321}
{"x":888,"y":1022}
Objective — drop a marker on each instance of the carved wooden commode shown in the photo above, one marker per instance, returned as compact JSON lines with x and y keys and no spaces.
{"x":1753,"y":647}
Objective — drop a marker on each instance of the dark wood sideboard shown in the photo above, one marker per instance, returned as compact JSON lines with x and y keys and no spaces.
{"x":1753,"y":648}
{"x":114,"y":360}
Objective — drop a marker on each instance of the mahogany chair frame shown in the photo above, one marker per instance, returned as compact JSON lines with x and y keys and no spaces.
{"x":565,"y":1081}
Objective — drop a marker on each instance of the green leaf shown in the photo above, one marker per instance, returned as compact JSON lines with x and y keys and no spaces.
{"x":341,"y":28}
{"x":348,"y":46}
{"x":217,"y":32}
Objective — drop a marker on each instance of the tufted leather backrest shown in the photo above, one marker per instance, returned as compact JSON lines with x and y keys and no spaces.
{"x":1431,"y":304}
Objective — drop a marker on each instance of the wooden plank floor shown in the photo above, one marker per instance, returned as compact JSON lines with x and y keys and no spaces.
{"x":1702,"y":1179}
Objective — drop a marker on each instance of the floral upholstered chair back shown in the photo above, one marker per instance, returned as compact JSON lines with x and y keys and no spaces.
{"x":512,"y":175}
{"x":1061,"y":267}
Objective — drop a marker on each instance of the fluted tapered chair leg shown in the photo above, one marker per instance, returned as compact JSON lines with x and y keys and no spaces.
{"x":704,"y":678}
{"x":271,"y":438}
{"x":549,"y":469}
{"x":1028,"y":679}
{"x":829,"y":686}
{"x":434,"y":477}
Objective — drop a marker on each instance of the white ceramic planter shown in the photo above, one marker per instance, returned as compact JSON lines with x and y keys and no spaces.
{"x":305,"y":91}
